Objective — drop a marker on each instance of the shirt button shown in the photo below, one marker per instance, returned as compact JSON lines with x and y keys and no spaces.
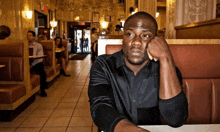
{"x":134,"y":100}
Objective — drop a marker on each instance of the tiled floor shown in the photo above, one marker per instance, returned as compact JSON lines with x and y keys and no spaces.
{"x":65,"y":109}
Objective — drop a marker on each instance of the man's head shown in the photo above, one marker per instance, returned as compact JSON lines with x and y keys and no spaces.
{"x":117,"y":28}
{"x":139,"y":29}
{"x":30,"y":36}
{"x":94,"y":30}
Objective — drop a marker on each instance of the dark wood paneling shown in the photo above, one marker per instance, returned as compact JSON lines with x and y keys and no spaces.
{"x":200,"y":30}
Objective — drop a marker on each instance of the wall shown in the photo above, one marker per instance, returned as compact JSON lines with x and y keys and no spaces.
{"x":161,"y":19}
{"x":13,"y":15}
{"x":170,"y":19}
{"x":190,"y":11}
{"x":84,"y":11}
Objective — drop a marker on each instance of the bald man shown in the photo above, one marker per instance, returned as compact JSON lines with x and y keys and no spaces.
{"x":138,"y":85}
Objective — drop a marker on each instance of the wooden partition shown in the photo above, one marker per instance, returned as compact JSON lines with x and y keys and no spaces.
{"x":112,"y":49}
{"x":200,"y":30}
{"x":108,"y":39}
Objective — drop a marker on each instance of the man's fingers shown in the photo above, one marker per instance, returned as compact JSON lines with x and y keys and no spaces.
{"x":149,"y":55}
{"x":155,"y":59}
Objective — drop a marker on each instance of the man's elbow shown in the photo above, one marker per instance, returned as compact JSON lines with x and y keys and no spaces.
{"x":176,"y":121}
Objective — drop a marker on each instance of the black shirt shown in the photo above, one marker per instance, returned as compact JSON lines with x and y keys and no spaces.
{"x":116,"y":93}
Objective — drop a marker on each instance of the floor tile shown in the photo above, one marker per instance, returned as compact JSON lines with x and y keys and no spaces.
{"x":62,"y":112}
{"x":34,"y":122}
{"x":79,"y":129}
{"x":53,"y":129}
{"x":58,"y":121}
{"x":15,"y":123}
{"x":82,"y":112}
{"x":7,"y":129}
{"x":47,"y":105}
{"x":42,"y":113}
{"x":81,"y":121}
{"x":95,"y":129}
{"x":83,"y":105}
{"x":27,"y":130}
{"x":64,"y":105}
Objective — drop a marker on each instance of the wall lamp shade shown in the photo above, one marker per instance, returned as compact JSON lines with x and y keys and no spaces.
{"x":29,"y":14}
{"x":157,"y":14}
{"x":53,"y":24}
{"x":104,"y":24}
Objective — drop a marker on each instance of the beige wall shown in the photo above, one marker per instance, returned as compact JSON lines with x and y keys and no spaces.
{"x":161,"y":19}
{"x":190,"y":11}
{"x":13,"y":15}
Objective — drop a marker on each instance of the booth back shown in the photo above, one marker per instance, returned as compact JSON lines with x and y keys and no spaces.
{"x":200,"y":68}
{"x":13,"y":61}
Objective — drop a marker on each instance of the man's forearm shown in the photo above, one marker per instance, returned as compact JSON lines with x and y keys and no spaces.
{"x":169,"y":82}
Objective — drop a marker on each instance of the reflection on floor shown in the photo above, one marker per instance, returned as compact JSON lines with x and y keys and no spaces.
{"x":66,"y":109}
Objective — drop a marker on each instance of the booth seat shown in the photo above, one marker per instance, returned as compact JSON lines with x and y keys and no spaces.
{"x":17,"y":85}
{"x":51,"y":68}
{"x":200,"y":68}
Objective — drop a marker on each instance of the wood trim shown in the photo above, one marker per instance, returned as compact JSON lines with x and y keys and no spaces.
{"x":198,"y":24}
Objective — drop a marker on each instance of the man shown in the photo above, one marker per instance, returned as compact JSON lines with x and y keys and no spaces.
{"x":139,"y":85}
{"x":94,"y":41}
{"x":37,"y":65}
{"x":118,"y":30}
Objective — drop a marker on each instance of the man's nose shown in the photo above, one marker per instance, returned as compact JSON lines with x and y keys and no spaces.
{"x":137,"y":40}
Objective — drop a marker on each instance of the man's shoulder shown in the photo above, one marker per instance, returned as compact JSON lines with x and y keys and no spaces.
{"x":109,"y":56}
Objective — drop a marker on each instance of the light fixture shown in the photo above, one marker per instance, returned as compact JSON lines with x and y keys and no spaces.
{"x":157,"y":14}
{"x":53,"y":24}
{"x":134,"y":11}
{"x":77,"y":18}
{"x":29,"y":14}
{"x":104,"y":24}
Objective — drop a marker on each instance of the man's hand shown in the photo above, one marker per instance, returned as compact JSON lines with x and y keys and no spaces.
{"x":157,"y":48}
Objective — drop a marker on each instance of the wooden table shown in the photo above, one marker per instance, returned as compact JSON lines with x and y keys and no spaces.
{"x":37,"y":56}
{"x":184,"y":128}
{"x":58,"y":50}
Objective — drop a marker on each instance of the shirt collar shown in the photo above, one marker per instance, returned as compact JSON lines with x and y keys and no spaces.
{"x":119,"y":59}
{"x":33,"y":44}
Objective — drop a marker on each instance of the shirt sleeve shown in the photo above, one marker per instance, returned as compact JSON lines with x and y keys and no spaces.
{"x":102,"y":105}
{"x":38,"y":52}
{"x":174,"y":111}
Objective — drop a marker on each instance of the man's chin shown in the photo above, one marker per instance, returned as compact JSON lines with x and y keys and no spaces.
{"x":136,"y":61}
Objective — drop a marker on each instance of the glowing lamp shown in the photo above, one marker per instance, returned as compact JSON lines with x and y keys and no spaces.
{"x":29,"y":14}
{"x":53,"y":24}
{"x":157,"y":14}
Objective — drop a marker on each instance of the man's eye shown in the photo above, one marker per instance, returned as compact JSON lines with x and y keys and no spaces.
{"x":145,"y":36}
{"x":130,"y":34}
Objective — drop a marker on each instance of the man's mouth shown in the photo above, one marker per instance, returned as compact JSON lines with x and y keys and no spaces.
{"x":135,"y":52}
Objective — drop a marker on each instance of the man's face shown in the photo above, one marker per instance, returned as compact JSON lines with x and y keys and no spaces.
{"x":137,"y":34}
{"x":30,"y":37}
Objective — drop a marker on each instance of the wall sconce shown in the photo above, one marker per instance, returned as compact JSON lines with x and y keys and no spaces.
{"x":76,"y":18}
{"x":157,"y":14}
{"x":104,"y":24}
{"x":29,"y":14}
{"x":53,"y":24}
{"x":132,"y":11}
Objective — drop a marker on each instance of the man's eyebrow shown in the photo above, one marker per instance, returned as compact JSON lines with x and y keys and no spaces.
{"x":146,"y":30}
